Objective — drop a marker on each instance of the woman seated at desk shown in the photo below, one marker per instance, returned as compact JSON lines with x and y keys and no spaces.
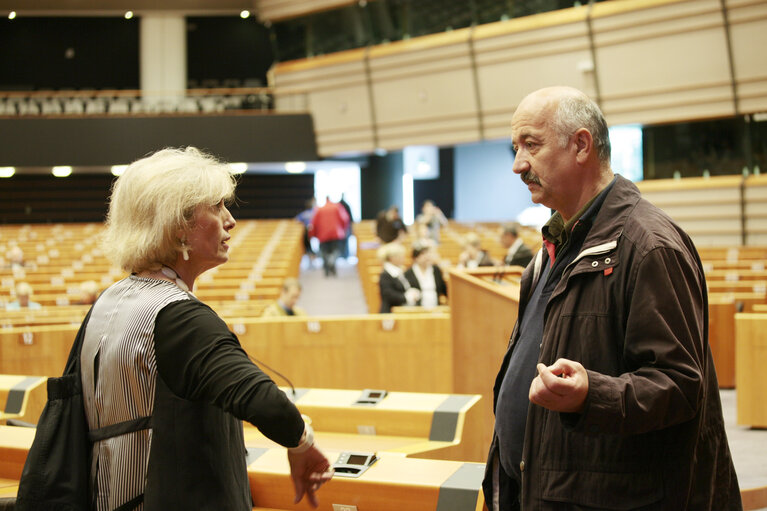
{"x":426,"y":276}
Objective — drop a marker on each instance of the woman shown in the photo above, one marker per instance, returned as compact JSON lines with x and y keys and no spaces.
{"x":393,"y":286}
{"x":152,"y":349}
{"x":426,"y":276}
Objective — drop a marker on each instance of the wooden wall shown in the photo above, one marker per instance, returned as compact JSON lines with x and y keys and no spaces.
{"x":725,"y":211}
{"x":275,"y":10}
{"x":407,"y":352}
{"x":645,"y":61}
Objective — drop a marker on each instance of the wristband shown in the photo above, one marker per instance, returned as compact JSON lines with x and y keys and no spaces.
{"x":306,"y":442}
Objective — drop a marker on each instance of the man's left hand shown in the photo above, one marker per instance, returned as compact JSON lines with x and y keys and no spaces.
{"x":561,"y":387}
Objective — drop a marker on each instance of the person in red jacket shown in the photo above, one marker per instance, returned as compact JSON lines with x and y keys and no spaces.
{"x":329,"y":225}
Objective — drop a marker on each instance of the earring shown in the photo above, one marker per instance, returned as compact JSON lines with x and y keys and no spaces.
{"x":184,"y":251}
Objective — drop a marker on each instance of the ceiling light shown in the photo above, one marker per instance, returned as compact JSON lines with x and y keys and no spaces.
{"x":7,"y":171}
{"x":244,"y":14}
{"x":128,"y":15}
{"x":62,"y":170}
{"x":12,"y":15}
{"x":238,"y":168}
{"x":117,"y":170}
{"x":295,"y":167}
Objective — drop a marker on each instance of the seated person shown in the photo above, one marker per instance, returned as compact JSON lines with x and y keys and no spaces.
{"x":473,"y":256}
{"x":15,"y":257}
{"x":89,"y":291}
{"x":517,"y":253}
{"x":286,"y":303}
{"x":426,"y":276}
{"x":389,"y":225}
{"x":393,"y":286}
{"x":23,"y":298}
{"x":433,"y":218}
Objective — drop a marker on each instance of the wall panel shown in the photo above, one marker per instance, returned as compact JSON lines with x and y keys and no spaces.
{"x":748,"y":33}
{"x":517,"y":57}
{"x":274,"y":10}
{"x":338,"y":97}
{"x":425,"y":93}
{"x":679,"y":63}
{"x":645,"y":61}
{"x":708,"y":209}
{"x":755,"y":210}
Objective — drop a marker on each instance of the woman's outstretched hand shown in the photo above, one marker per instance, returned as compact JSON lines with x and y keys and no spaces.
{"x":309,"y":470}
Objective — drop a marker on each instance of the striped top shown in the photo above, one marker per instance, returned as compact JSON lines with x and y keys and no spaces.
{"x":118,"y":371}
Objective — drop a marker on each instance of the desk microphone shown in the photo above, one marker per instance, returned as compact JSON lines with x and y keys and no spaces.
{"x":290,"y":384}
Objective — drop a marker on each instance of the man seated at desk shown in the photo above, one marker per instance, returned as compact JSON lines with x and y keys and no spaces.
{"x":286,"y":303}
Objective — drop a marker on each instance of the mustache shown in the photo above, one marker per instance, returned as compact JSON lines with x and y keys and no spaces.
{"x":528,"y":177}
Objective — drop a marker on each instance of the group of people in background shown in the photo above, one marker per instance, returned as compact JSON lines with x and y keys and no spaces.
{"x":86,"y":293}
{"x":423,"y":283}
{"x":420,"y":285}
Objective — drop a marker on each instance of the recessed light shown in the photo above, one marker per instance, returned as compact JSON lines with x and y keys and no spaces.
{"x":295,"y":167}
{"x":117,"y":170}
{"x":238,"y":168}
{"x":62,"y":170}
{"x":128,"y":15}
{"x":12,"y":15}
{"x":7,"y":171}
{"x":244,"y":14}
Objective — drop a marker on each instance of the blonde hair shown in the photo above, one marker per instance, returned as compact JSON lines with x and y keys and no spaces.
{"x":156,"y":197}
{"x":385,"y":252}
{"x":23,"y":289}
{"x":472,"y":239}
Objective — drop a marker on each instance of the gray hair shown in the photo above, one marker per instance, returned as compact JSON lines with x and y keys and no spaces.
{"x":511,"y":228}
{"x":576,"y":111}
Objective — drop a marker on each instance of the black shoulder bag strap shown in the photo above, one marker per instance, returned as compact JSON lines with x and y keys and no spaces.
{"x":56,"y":475}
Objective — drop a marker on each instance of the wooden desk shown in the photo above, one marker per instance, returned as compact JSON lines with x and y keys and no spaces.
{"x":436,"y":426}
{"x":750,"y":359}
{"x":22,"y":397}
{"x":14,"y":445}
{"x":483,"y":313}
{"x":391,"y":483}
{"x":721,"y":337}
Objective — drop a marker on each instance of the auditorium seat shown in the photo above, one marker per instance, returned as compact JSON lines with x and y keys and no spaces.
{"x":74,"y":106}
{"x":119,"y":106}
{"x":50,"y":106}
{"x":95,"y":106}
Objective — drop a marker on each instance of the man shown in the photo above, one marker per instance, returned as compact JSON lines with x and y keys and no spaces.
{"x":624,"y":411}
{"x":329,"y":227}
{"x":517,"y":253}
{"x":286,"y":303}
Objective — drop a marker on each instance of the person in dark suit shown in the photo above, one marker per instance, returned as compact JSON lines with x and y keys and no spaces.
{"x":518,"y":254}
{"x":426,"y":276}
{"x":393,"y":286}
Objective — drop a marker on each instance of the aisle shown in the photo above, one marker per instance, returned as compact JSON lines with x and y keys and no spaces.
{"x":331,"y":295}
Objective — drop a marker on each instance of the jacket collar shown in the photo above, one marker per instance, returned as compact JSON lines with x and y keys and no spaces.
{"x":607,"y":226}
